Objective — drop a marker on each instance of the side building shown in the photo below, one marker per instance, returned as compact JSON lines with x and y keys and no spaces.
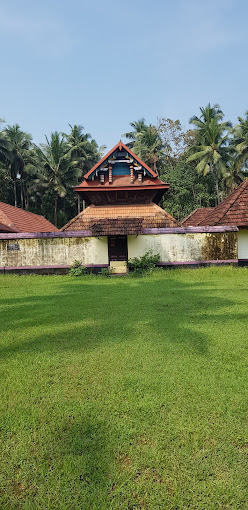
{"x":231,"y":212}
{"x":14,"y":219}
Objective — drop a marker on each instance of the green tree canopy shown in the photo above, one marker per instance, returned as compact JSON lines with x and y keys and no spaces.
{"x":211,"y":150}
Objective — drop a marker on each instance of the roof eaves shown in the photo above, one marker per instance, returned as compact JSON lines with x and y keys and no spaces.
{"x":224,"y":210}
{"x":8,"y":228}
{"x":189,"y":216}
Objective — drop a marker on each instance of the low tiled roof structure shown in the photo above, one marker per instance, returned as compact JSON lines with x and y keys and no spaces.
{"x":232,"y":211}
{"x":196,"y":217}
{"x":14,"y":219}
{"x":120,"y":219}
{"x":6,"y":228}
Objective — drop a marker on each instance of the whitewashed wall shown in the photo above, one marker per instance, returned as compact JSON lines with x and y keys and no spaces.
{"x":172,"y":247}
{"x":185,"y":247}
{"x":55,"y":251}
{"x":243,"y":244}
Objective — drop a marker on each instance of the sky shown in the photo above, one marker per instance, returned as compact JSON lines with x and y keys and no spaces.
{"x":105,"y":63}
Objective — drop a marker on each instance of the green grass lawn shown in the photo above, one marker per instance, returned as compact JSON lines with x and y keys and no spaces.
{"x":125,"y":393}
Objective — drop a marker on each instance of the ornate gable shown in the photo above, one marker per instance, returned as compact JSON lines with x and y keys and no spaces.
{"x":121,"y":177}
{"x":120,"y":161}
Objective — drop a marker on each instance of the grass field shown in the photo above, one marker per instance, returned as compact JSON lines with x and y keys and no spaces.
{"x":125,"y":393}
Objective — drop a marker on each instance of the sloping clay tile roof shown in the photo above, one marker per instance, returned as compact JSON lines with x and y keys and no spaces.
{"x":196,"y":217}
{"x":232,"y":211}
{"x":24,"y":221}
{"x":5,"y":228}
{"x":121,"y":219}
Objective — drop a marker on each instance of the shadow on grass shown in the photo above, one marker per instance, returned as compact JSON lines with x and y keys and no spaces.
{"x":84,"y":450}
{"x":89,"y":315}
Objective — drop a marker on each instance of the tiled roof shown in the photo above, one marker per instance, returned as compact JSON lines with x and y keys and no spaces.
{"x":121,"y":219}
{"x":24,"y":221}
{"x":232,"y":211}
{"x":6,"y":228}
{"x":196,"y":217}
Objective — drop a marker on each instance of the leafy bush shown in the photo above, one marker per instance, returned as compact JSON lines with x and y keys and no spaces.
{"x":144,"y":264}
{"x":77,"y":269}
{"x":106,"y":271}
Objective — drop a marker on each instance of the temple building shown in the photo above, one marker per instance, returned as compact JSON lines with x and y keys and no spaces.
{"x":232,"y":211}
{"x":123,"y":195}
{"x":123,"y":220}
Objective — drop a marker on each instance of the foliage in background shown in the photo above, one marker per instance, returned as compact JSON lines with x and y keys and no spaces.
{"x":211,"y":148}
{"x":240,"y":143}
{"x":202,"y":165}
{"x":41,"y":178}
{"x":187,"y":190}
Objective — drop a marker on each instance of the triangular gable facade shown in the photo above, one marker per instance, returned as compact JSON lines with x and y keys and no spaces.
{"x":121,"y":177}
{"x":120,"y":157}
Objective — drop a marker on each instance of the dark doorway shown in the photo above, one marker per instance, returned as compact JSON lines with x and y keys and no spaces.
{"x":117,"y":248}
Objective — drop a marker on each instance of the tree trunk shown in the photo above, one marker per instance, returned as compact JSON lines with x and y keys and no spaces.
{"x":213,"y":170}
{"x":25,"y":191}
{"x":217,"y":190}
{"x":55,"y":209}
{"x":22,"y":200}
{"x":78,"y":203}
{"x":83,"y":205}
{"x":15,"y":192}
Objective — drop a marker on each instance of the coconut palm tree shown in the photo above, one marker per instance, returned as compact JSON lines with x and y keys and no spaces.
{"x":18,"y":143}
{"x":211,"y":149}
{"x":56,"y":170}
{"x":148,"y":146}
{"x":77,"y":143}
{"x":240,"y":141}
{"x":207,"y":113}
{"x":138,"y":127}
{"x":4,"y":146}
{"x":84,"y":149}
{"x":82,"y":146}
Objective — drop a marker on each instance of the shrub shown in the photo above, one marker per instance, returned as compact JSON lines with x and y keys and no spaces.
{"x":106,"y":271}
{"x":144,"y":264}
{"x":77,"y":269}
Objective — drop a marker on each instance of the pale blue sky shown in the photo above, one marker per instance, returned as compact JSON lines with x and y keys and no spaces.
{"x":106,"y":63}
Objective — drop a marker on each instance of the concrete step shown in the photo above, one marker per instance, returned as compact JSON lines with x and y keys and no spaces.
{"x":118,"y":266}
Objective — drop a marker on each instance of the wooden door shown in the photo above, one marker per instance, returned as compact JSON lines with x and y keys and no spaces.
{"x":117,"y":248}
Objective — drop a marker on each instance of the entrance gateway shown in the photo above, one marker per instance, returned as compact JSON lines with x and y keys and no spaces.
{"x":117,"y":249}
